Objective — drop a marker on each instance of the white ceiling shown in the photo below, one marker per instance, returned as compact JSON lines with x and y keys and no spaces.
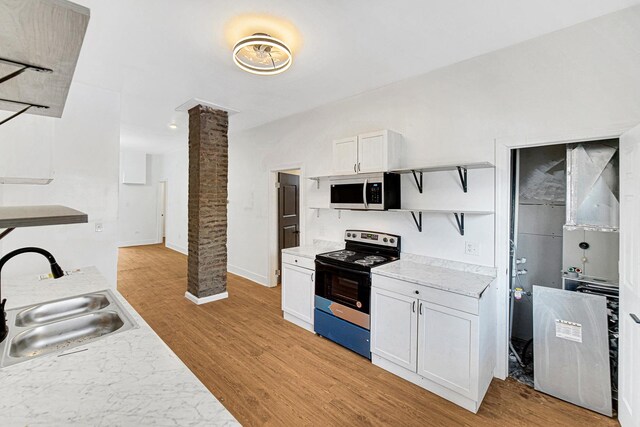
{"x":160,"y":53}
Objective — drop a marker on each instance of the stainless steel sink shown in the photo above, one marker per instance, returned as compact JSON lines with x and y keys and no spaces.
{"x":58,"y":310}
{"x":63,"y":334}
{"x":56,"y":326}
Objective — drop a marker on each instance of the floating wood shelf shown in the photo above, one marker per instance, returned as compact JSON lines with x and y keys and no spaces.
{"x":462,"y":168}
{"x":22,"y":181}
{"x":36,"y":216}
{"x":41,"y":42}
{"x":457,"y":213}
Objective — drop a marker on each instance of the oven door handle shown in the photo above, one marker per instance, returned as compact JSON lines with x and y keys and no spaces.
{"x":364,"y":194}
{"x":334,"y":268}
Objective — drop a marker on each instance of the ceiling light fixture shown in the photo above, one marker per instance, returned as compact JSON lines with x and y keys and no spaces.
{"x":173,"y":126}
{"x":262,"y":54}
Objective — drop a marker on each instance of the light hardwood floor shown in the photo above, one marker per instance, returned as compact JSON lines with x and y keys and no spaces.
{"x":267,"y":371}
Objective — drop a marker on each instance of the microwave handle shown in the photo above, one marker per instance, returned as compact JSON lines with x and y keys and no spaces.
{"x":364,"y":194}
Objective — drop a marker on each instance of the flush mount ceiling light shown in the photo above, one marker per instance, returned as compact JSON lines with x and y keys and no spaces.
{"x":262,"y":54}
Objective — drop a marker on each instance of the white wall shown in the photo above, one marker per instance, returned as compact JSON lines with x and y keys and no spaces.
{"x":84,"y":146}
{"x":176,"y":173}
{"x":573,"y":80}
{"x":138,"y":206}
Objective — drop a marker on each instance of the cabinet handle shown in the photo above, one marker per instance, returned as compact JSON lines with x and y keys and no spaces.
{"x":354,"y":168}
{"x":413,"y":307}
{"x":358,"y":166}
{"x":420,"y":308}
{"x":634,"y":317}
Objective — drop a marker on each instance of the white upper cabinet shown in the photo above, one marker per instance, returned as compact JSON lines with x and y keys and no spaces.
{"x":378,"y":151}
{"x":134,"y":167}
{"x":345,"y":156}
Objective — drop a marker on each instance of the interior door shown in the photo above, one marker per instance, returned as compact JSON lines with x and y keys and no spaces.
{"x":288,"y":213}
{"x":394,"y":323}
{"x":345,"y":156}
{"x":629,"y":346}
{"x":371,"y":152}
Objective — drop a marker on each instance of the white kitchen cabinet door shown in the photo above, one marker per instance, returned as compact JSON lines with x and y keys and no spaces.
{"x":372,"y":152}
{"x":298,"y":292}
{"x":134,"y":167}
{"x":345,"y":156}
{"x":26,"y":149}
{"x":394,"y":322}
{"x":447,"y":349}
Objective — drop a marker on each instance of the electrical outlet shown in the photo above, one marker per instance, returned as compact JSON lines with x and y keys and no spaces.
{"x":99,"y":227}
{"x":472,"y":248}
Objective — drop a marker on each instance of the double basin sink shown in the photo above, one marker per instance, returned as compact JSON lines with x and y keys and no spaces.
{"x":56,"y":326}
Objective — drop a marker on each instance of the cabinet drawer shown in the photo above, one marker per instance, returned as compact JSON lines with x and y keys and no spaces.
{"x":299,"y":261}
{"x":425,"y":293}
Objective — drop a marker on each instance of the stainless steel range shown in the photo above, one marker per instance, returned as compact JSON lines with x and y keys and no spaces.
{"x":343,"y":287}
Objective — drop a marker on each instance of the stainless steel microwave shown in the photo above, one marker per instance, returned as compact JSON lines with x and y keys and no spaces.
{"x":375,"y":191}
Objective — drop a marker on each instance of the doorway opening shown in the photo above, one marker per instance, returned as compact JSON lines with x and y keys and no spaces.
{"x":288,"y":186}
{"x":162,"y":212}
{"x":563,"y":281}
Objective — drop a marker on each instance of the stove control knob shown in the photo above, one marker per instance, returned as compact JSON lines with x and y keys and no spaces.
{"x":385,"y":240}
{"x":348,"y":234}
{"x":392,"y":240}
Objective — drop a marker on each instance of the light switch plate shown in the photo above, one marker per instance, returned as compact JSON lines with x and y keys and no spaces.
{"x":472,"y":248}
{"x":99,"y":227}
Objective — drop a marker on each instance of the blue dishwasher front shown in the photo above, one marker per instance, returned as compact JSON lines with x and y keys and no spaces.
{"x":344,"y":333}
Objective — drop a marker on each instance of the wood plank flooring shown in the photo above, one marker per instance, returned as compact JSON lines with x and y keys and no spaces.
{"x":266,"y":371}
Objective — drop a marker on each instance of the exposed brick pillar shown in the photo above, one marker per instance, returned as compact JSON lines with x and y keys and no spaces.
{"x":208,"y":166}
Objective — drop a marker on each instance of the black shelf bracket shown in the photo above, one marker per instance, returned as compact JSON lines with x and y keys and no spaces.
{"x":22,"y":68}
{"x":26,"y":105}
{"x":5,"y":232}
{"x":460,"y":221}
{"x":418,"y":181}
{"x":417,"y":220}
{"x":462,"y":173}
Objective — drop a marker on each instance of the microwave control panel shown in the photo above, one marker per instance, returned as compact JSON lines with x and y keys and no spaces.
{"x":374,"y":193}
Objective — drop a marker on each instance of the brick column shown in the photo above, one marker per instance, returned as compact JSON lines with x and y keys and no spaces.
{"x":208,"y":165}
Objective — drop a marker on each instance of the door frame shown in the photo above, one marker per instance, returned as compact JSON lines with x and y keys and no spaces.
{"x":503,"y":147}
{"x":272,"y":237}
{"x":161,"y":225}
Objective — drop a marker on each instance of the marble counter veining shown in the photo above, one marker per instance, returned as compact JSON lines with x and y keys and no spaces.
{"x":434,"y":276}
{"x":310,"y":251}
{"x":129,"y":378}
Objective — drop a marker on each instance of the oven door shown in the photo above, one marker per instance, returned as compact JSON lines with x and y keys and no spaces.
{"x":343,"y":292}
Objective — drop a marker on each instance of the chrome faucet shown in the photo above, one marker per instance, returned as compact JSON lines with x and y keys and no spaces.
{"x":56,"y":271}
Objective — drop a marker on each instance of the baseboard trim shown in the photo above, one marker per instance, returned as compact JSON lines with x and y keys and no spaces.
{"x":177,"y":248}
{"x":199,"y":301}
{"x":238,"y":271}
{"x":137,"y":243}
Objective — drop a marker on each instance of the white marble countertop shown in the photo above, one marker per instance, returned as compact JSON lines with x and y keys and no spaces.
{"x":436,"y":276}
{"x":310,"y":251}
{"x":126,"y":379}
